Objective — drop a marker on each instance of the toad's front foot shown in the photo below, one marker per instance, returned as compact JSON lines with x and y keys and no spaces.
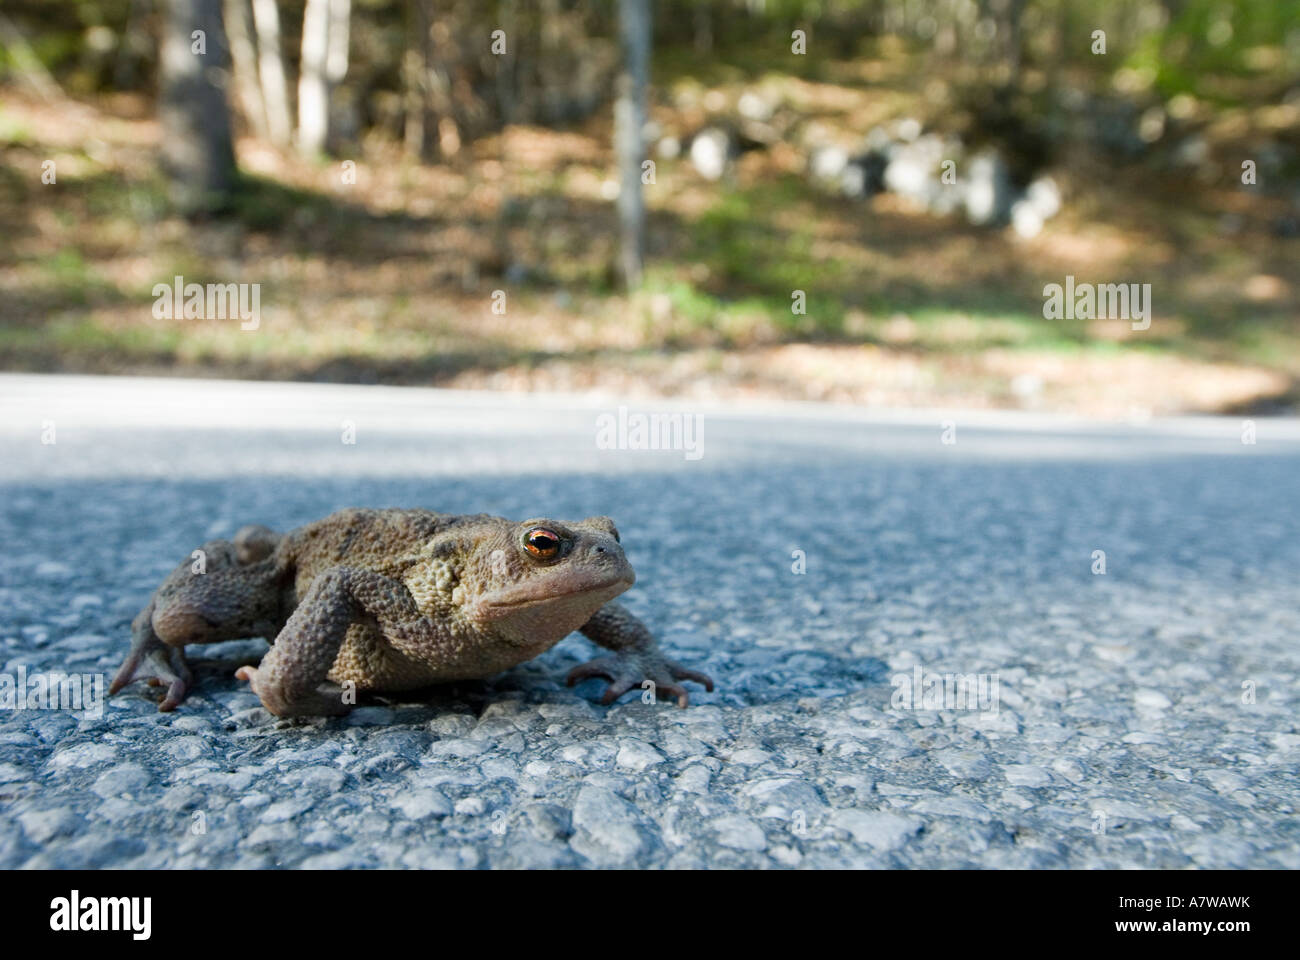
{"x":326,"y":700}
{"x":627,"y":670}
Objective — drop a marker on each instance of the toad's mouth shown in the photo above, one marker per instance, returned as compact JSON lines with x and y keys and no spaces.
{"x":609,"y":584}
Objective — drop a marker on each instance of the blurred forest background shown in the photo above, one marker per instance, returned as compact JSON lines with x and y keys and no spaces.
{"x":383,"y":168}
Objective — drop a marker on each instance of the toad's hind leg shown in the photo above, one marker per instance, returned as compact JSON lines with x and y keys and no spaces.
{"x":152,"y":660}
{"x":230,"y":592}
{"x":292,"y":679}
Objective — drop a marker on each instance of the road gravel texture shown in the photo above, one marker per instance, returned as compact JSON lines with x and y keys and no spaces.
{"x":1144,"y":717}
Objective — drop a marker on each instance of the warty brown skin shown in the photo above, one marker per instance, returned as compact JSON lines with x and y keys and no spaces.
{"x":393,"y":600}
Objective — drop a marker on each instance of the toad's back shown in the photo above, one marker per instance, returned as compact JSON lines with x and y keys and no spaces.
{"x":386,"y":541}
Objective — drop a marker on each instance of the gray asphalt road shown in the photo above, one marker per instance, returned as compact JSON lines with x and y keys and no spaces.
{"x":1144,"y":717}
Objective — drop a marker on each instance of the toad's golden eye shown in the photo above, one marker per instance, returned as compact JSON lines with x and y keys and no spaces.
{"x":542,"y":543}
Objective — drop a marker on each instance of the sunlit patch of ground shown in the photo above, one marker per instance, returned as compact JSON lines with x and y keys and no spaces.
{"x":390,"y":275}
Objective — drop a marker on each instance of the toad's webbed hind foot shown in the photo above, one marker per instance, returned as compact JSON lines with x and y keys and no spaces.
{"x":151,"y":660}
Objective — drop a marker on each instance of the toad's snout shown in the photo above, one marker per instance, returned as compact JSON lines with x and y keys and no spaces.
{"x":605,"y":561}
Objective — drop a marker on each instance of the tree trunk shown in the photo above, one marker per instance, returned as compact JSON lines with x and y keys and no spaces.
{"x":629,"y":122}
{"x":313,"y":93}
{"x":275,"y":91}
{"x":1012,"y":13}
{"x":703,"y":41}
{"x":336,"y":66}
{"x":507,"y":64}
{"x":243,"y":54}
{"x":419,"y":133}
{"x":197,"y":155}
{"x":336,"y":61}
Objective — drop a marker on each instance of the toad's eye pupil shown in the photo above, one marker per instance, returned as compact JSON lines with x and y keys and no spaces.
{"x":542,"y":543}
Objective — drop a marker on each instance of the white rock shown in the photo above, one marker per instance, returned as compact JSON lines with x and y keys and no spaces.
{"x":1044,"y":196}
{"x":41,"y":826}
{"x":185,"y":748}
{"x":458,"y":748}
{"x":986,"y":721}
{"x":1147,"y":699}
{"x":82,"y":755}
{"x":1069,"y":768}
{"x":853,"y":181}
{"x":909,"y":128}
{"x":786,"y":796}
{"x":125,"y":778}
{"x":965,"y":764}
{"x":1025,"y":220}
{"x":913,"y":170}
{"x":637,"y":755}
{"x":1120,"y":810}
{"x":1114,"y":652}
{"x":607,"y":829}
{"x":988,"y":189}
{"x":419,"y":804}
{"x":1145,"y":737}
{"x":827,"y":163}
{"x":739,"y":833}
{"x":694,"y":779}
{"x":1026,"y":775}
{"x":954,"y":807}
{"x":1026,"y":386}
{"x":786,"y":856}
{"x":471,"y":806}
{"x":710,"y":152}
{"x":670,"y":148}
{"x":877,"y":828}
{"x":754,"y":107}
{"x":1225,"y":781}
